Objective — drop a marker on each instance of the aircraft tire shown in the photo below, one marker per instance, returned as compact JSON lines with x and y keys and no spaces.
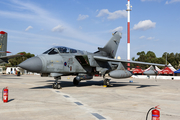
{"x":106,"y":82}
{"x":58,"y":86}
{"x":54,"y":85}
{"x":75,"y":82}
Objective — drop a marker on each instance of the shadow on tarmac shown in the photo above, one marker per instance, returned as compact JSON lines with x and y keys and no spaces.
{"x":10,"y":100}
{"x":90,"y":83}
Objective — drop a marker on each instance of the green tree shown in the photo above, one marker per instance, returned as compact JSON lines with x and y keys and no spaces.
{"x":150,"y":55}
{"x":133,"y":58}
{"x":142,"y":56}
{"x":172,"y":58}
{"x":17,"y":60}
{"x":151,"y":58}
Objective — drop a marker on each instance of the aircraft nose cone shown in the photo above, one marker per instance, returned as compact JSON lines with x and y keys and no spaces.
{"x":33,"y":64}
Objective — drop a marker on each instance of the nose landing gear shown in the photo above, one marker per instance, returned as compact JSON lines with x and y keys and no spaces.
{"x":56,"y":85}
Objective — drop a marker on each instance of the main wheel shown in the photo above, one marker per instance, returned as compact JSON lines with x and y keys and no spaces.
{"x":106,"y":82}
{"x":54,"y":85}
{"x":75,"y":82}
{"x":58,"y":86}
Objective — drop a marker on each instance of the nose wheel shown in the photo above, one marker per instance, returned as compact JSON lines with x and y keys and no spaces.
{"x":56,"y":85}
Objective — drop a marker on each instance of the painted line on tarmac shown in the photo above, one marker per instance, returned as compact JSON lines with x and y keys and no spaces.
{"x":66,"y":96}
{"x":98,"y":116}
{"x":78,"y":103}
{"x":82,"y":105}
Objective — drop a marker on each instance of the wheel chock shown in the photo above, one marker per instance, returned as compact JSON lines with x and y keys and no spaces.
{"x":104,"y":85}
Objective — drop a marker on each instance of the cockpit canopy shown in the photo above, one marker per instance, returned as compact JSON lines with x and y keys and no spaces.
{"x":61,"y":49}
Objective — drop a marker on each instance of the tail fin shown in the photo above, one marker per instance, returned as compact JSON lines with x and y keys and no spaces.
{"x":111,"y":47}
{"x":3,"y":43}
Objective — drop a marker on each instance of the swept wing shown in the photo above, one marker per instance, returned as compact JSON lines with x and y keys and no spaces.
{"x":10,"y":56}
{"x":6,"y":58}
{"x":126,"y":61}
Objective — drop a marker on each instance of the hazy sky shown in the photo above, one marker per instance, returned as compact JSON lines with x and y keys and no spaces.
{"x":36,"y":25}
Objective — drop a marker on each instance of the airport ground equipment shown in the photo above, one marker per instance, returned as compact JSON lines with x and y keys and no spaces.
{"x":5,"y":95}
{"x":155,"y":113}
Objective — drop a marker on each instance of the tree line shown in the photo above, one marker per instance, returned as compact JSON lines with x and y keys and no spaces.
{"x":172,"y":58}
{"x":17,"y":60}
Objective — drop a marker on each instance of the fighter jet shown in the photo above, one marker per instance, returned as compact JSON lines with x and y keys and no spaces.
{"x":63,"y":61}
{"x":3,"y":49}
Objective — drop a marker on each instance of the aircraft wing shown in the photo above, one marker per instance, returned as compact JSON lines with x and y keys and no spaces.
{"x":126,"y":61}
{"x":5,"y":52}
{"x":10,"y":56}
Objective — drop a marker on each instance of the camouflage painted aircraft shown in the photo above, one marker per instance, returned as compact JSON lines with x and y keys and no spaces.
{"x":3,"y":49}
{"x":63,"y":61}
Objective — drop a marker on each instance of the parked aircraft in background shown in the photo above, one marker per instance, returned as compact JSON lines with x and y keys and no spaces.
{"x":151,"y":71}
{"x":3,"y":49}
{"x":62,"y":61}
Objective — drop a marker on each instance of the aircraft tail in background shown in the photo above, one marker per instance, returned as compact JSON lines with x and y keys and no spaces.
{"x":3,"y":43}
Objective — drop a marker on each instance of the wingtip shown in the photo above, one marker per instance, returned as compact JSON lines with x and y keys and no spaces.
{"x":8,"y":52}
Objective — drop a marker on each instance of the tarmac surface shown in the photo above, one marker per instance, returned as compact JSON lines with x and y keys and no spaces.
{"x":32,"y":97}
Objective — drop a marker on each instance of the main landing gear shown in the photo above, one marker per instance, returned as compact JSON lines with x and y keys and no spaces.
{"x":106,"y":81}
{"x":56,"y":85}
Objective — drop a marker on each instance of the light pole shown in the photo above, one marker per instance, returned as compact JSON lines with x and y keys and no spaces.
{"x":166,"y":58}
{"x":128,"y":33}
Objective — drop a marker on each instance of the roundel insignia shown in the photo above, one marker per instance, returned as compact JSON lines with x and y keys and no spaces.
{"x":65,"y":63}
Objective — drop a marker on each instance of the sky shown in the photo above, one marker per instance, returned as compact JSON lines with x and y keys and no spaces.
{"x":37,"y":25}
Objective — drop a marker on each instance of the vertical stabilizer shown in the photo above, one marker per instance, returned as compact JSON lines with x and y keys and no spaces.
{"x":111,"y":47}
{"x":3,"y":43}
